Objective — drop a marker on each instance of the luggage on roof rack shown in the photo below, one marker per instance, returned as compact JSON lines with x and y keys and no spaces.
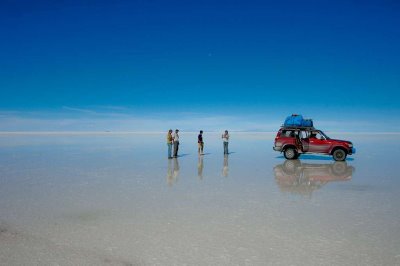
{"x":298,"y":128}
{"x":298,"y":121}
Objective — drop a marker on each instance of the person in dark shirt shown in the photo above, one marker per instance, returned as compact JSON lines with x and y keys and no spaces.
{"x":176,"y":142}
{"x":200,"y":142}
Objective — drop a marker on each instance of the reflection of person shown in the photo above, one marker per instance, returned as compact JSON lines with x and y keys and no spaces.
{"x":176,"y":168}
{"x":200,"y":167}
{"x":169,"y":143}
{"x":225,"y":140}
{"x":176,"y":142}
{"x":200,"y":142}
{"x":172,"y":173}
{"x":225,"y":168}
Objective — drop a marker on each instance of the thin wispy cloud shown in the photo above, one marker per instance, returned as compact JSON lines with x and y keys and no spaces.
{"x":79,"y":110}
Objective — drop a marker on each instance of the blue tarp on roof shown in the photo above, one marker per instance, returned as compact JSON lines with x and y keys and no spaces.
{"x":297,"y":121}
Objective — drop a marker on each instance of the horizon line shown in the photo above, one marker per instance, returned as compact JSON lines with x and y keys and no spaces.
{"x":181,"y":132}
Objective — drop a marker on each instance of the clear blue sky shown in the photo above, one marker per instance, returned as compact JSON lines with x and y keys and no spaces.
{"x":331,"y":60}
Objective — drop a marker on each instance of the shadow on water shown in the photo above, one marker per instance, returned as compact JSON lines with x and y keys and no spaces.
{"x":297,"y":177}
{"x":183,"y":155}
{"x":315,"y":157}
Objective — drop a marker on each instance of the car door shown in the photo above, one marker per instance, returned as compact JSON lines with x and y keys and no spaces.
{"x":305,"y":141}
{"x":318,"y":143}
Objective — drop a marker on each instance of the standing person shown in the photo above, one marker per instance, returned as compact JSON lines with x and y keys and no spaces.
{"x":225,"y":140}
{"x":176,"y":142}
{"x":200,"y":142}
{"x":170,"y":140}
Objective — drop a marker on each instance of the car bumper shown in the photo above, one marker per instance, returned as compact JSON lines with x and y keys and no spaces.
{"x":277,"y":148}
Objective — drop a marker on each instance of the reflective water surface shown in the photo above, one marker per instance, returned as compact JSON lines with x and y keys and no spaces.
{"x":301,"y":177}
{"x":117,"y":200}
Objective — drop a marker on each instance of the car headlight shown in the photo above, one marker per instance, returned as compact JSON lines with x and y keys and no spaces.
{"x":350,"y":145}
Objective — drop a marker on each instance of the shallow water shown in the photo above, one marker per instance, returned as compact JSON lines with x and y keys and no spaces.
{"x":117,"y":200}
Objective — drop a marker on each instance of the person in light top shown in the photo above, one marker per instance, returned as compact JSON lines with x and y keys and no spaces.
{"x":176,"y":142}
{"x":225,"y":140}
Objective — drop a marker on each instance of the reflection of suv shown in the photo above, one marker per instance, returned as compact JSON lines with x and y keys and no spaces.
{"x":293,"y":141}
{"x":303,"y":178}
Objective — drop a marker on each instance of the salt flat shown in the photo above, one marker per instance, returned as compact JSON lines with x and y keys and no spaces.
{"x":115,"y":199}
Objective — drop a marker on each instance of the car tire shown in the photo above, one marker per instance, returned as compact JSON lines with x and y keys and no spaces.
{"x":290,"y":154}
{"x":339,"y":155}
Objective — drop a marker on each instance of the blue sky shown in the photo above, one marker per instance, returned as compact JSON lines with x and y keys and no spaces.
{"x":245,"y":63}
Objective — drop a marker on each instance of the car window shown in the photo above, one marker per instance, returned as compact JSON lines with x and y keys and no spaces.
{"x":316,"y":135}
{"x":313,"y":134}
{"x":288,"y":133}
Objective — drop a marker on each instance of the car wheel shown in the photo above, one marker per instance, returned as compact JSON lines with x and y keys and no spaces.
{"x":290,"y":154}
{"x":339,"y":155}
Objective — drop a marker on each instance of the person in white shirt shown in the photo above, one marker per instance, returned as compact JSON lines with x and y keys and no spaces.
{"x":225,"y":140}
{"x":176,"y":142}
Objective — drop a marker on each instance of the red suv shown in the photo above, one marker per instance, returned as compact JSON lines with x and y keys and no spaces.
{"x":293,"y":141}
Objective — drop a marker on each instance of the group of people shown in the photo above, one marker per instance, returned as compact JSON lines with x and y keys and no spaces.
{"x":173,"y":140}
{"x":173,"y":143}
